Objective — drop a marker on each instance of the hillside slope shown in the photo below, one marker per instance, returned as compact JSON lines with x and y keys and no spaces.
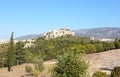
{"x":104,"y":61}
{"x":106,"y":32}
{"x":31,"y":36}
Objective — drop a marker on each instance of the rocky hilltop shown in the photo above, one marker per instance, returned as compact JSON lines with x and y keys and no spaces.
{"x":98,"y":33}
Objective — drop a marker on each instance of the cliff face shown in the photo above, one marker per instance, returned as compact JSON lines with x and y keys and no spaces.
{"x":104,"y":61}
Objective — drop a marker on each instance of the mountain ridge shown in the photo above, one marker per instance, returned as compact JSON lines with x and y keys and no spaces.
{"x":105,"y":32}
{"x":30,"y":36}
{"x":98,"y":33}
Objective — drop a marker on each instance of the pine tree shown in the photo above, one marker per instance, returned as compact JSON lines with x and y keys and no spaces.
{"x":11,"y":53}
{"x":20,"y":54}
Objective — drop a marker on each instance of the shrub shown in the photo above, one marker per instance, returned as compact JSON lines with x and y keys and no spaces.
{"x":36,"y":72}
{"x":99,"y":47}
{"x":100,"y":74}
{"x":115,"y":72}
{"x":28,"y":69}
{"x":71,"y":66}
{"x":90,"y":48}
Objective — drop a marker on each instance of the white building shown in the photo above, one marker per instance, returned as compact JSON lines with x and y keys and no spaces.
{"x":2,"y":41}
{"x":107,"y":39}
{"x":27,"y":42}
{"x":58,"y":33}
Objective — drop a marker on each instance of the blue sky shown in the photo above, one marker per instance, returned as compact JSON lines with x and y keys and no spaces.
{"x":36,"y":16}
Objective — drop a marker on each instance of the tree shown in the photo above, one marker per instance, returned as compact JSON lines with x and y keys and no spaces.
{"x":78,"y":48}
{"x":28,"y":56}
{"x":99,"y":47}
{"x":2,"y":59}
{"x":38,"y":62}
{"x":20,"y":52}
{"x":11,"y":53}
{"x":71,"y":66}
{"x":90,"y":48}
{"x":117,"y":44}
{"x":115,"y":72}
{"x":100,"y":74}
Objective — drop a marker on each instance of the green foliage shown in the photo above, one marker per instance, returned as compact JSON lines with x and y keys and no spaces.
{"x":36,"y":72}
{"x":72,"y":65}
{"x":117,"y":44}
{"x":11,"y":53}
{"x":53,"y":48}
{"x":100,"y":74}
{"x":28,"y":56}
{"x":99,"y":47}
{"x":28,"y":69}
{"x":112,"y":45}
{"x":36,"y":59}
{"x":20,"y":53}
{"x":3,"y":59}
{"x":108,"y":46}
{"x":90,"y":48}
{"x":38,"y":63}
{"x":115,"y":72}
{"x":78,"y":48}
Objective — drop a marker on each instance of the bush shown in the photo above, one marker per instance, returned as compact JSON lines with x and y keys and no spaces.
{"x":115,"y":72}
{"x":36,"y":72}
{"x":38,"y":63}
{"x":71,"y":66}
{"x":100,"y":74}
{"x":99,"y":47}
{"x":90,"y":48}
{"x":117,"y":44}
{"x":28,"y":69}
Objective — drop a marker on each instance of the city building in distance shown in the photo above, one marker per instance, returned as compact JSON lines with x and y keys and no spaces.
{"x":58,"y":33}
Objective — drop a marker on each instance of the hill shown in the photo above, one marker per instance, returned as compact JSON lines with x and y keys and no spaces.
{"x":106,"y":32}
{"x":31,"y":36}
{"x":104,"y":61}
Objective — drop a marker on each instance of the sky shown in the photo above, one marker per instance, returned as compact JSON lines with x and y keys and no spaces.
{"x":25,"y":17}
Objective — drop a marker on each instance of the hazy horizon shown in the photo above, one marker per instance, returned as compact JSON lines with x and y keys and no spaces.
{"x":26,"y":17}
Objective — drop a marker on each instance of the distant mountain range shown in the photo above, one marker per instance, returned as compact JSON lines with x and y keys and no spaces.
{"x":106,"y":32}
{"x":98,"y":33}
{"x":31,"y":36}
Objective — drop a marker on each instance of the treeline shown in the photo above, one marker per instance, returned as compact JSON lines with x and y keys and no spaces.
{"x":53,"y":48}
{"x":12,"y":54}
{"x":46,"y":49}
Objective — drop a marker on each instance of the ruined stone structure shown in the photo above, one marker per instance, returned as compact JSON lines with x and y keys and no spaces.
{"x":58,"y":33}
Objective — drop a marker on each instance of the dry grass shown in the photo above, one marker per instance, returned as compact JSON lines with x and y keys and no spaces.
{"x":19,"y":70}
{"x":103,"y":61}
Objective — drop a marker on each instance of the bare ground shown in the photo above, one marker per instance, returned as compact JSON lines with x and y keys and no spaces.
{"x":104,"y":61}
